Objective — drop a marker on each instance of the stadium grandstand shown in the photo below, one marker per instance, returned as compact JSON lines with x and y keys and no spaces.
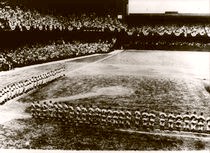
{"x":105,"y":75}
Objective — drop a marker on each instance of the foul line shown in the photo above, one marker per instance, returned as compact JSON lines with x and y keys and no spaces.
{"x":49,"y":63}
{"x":100,"y":60}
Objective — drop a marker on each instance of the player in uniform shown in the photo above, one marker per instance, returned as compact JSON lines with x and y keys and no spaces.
{"x":201,"y":122}
{"x":106,"y":114}
{"x":121,"y":118}
{"x":7,"y":94}
{"x":162,"y":120}
{"x":44,"y":108}
{"x":145,"y":119}
{"x":65,"y":113}
{"x":25,"y":83}
{"x":194,"y":122}
{"x":119,"y":124}
{"x":50,"y":111}
{"x":59,"y":112}
{"x":90,"y":115}
{"x":33,"y":109}
{"x":137,"y":119}
{"x":128,"y":119}
{"x":94,"y":116}
{"x":46,"y":78}
{"x":1,"y":98}
{"x":186,"y":119}
{"x":55,"y":112}
{"x":152,"y":117}
{"x":178,"y":122}
{"x":22,"y":88}
{"x":33,"y":83}
{"x":208,"y":125}
{"x":15,"y":90}
{"x":97,"y":116}
{"x":70,"y":114}
{"x":37,"y":110}
{"x":11,"y":89}
{"x":109,"y":118}
{"x":84,"y":115}
{"x":115,"y":119}
{"x":30,"y":84}
{"x":171,"y":119}
{"x":41,"y":79}
{"x":78,"y":116}
{"x":103,"y":117}
{"x":19,"y":88}
{"x":38,"y":80}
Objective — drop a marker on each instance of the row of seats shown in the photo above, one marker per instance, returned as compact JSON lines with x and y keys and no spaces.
{"x":18,"y":88}
{"x":28,"y":55}
{"x":82,"y":115}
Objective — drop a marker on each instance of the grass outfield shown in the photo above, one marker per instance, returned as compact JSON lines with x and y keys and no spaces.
{"x":153,"y":93}
{"x":131,"y":80}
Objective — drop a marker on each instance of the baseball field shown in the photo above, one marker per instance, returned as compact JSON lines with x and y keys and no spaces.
{"x":159,"y":81}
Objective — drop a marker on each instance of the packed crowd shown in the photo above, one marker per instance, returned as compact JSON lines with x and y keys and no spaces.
{"x":56,"y":51}
{"x":171,"y":45}
{"x":81,"y":115}
{"x":17,"y":89}
{"x":5,"y":63}
{"x":24,"y":19}
{"x":173,"y":29}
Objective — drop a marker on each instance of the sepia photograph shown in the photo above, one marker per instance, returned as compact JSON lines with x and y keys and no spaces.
{"x":104,"y":75}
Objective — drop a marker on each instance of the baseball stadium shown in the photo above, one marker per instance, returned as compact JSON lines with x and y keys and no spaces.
{"x":105,"y":75}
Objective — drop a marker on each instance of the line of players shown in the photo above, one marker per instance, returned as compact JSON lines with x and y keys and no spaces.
{"x":119,"y":118}
{"x":16,"y":89}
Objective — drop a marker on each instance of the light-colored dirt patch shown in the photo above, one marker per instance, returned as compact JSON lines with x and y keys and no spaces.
{"x":113,"y":91}
{"x":105,"y":91}
{"x":12,"y":110}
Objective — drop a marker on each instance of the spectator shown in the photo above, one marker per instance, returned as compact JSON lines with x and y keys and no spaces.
{"x":57,"y":50}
